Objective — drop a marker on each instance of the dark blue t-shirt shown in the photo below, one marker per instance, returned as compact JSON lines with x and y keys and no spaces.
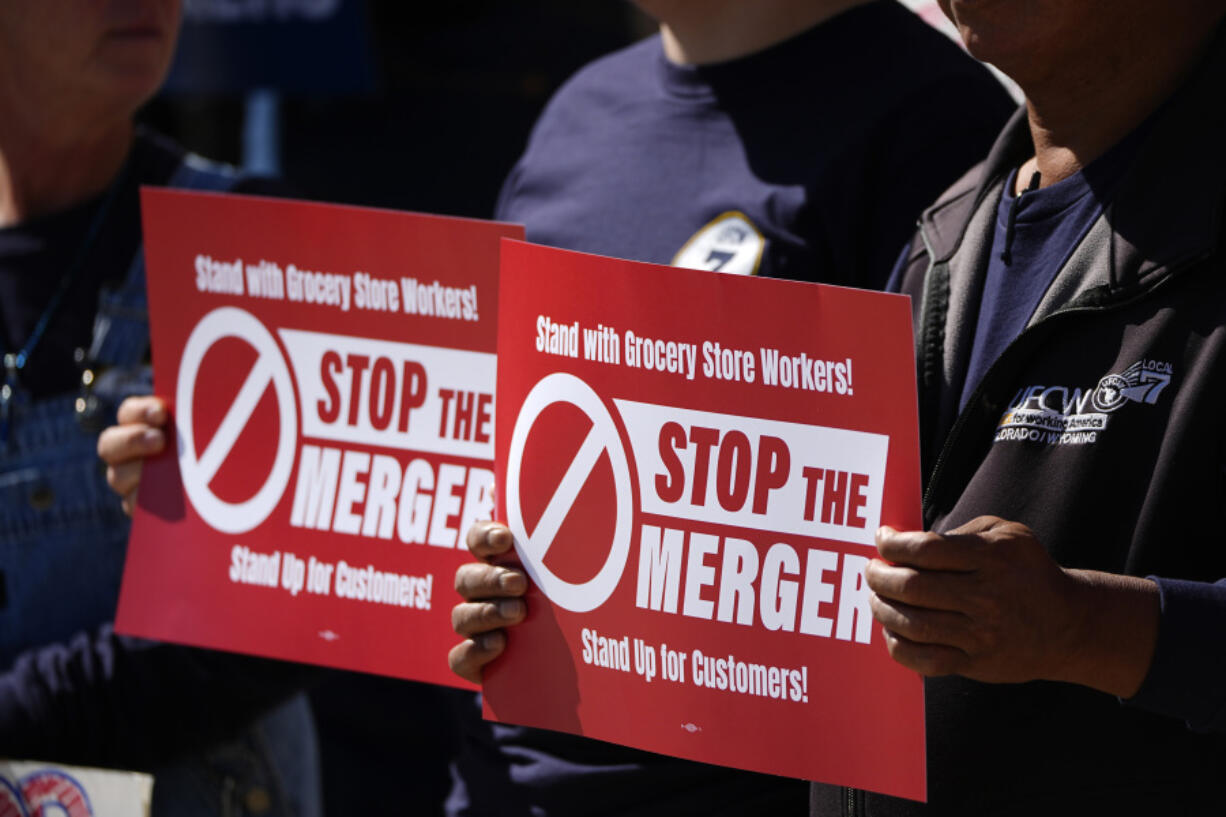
{"x":827,"y":146}
{"x":810,"y":160}
{"x":1035,"y":233}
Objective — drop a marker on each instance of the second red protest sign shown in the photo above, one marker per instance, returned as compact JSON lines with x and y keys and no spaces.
{"x":693,"y":467}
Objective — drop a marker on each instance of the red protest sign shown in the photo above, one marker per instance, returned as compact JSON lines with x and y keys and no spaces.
{"x":330,"y":376}
{"x":693,"y":466}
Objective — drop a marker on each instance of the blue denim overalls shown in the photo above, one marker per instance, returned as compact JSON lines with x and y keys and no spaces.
{"x":63,"y":537}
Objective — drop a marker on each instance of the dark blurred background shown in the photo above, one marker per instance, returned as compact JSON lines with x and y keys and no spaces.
{"x":391,"y":103}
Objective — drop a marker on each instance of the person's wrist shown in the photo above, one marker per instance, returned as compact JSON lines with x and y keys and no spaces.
{"x":1113,"y":631}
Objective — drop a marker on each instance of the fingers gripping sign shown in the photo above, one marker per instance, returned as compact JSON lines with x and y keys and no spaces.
{"x":985,"y":601}
{"x":491,"y":601}
{"x":125,"y":446}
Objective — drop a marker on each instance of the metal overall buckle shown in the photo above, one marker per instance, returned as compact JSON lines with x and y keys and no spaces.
{"x":89,"y":409}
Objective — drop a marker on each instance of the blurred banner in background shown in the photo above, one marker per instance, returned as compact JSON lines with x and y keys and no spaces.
{"x":413,"y":106}
{"x":294,"y":46}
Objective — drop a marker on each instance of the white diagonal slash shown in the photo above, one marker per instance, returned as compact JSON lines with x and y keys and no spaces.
{"x":541,"y":539}
{"x":258,"y":380}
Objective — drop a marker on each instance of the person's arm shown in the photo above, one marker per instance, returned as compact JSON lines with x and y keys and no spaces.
{"x":106,"y":699}
{"x":1187,"y":678}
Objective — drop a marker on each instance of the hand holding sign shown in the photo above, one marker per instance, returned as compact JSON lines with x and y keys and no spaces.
{"x":987,"y":601}
{"x":491,"y":601}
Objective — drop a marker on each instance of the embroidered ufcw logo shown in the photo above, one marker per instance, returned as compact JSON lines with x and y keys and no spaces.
{"x":1141,"y":382}
{"x":1060,"y":415}
{"x":730,"y":243}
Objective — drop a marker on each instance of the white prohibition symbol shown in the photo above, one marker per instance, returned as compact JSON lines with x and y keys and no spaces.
{"x":199,"y":468}
{"x":560,"y":387}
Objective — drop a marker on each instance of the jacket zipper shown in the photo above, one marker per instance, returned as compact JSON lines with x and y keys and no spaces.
{"x":852,"y":803}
